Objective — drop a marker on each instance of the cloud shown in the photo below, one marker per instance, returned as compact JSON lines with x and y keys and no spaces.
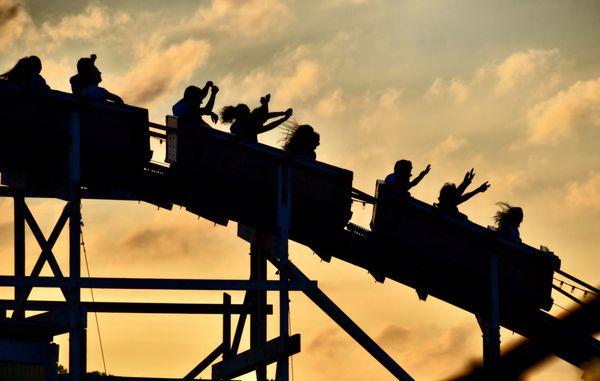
{"x":293,"y":80}
{"x":521,"y":67}
{"x":332,"y":104}
{"x":381,"y":109}
{"x":93,"y":21}
{"x":394,"y":337}
{"x":585,"y":195}
{"x":454,"y":89}
{"x":327,"y":342}
{"x":159,"y":71}
{"x":449,"y":147}
{"x":301,"y":84}
{"x":242,"y":17}
{"x":13,"y":21}
{"x":557,"y":118}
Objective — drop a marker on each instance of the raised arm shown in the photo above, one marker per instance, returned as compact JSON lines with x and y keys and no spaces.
{"x":482,"y":188}
{"x":421,"y":175}
{"x":268,"y":127}
{"x":211,"y":101}
{"x":208,"y":109}
{"x":465,"y":183}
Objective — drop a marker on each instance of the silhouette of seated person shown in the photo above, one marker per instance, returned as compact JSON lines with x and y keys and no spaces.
{"x":247,"y":125}
{"x":302,"y":141}
{"x":451,"y":196}
{"x":188,"y":110}
{"x":26,"y":73}
{"x":400,"y":178}
{"x":85,"y":82}
{"x":508,"y":220}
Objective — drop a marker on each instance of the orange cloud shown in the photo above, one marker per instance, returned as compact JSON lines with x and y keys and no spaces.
{"x":242,"y":17}
{"x":13,"y":21}
{"x":559,"y":116}
{"x":93,"y":21}
{"x":522,"y":66}
{"x":455,"y":89}
{"x":585,"y":195}
{"x":332,"y":104}
{"x":162,"y":71}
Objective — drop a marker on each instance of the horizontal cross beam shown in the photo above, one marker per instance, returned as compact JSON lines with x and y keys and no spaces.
{"x":129,"y":307}
{"x":157,"y":284}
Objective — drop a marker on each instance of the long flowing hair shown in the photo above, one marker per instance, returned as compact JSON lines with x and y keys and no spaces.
{"x":508,"y":216}
{"x":230,"y":113}
{"x":21,"y":72}
{"x":297,"y":135}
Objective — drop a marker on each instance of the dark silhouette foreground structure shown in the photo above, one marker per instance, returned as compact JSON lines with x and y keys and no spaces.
{"x":54,"y":145}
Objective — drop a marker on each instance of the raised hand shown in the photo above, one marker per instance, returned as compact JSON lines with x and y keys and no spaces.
{"x":214,"y":117}
{"x":483,"y":187}
{"x":288,"y":112}
{"x":469,"y":176}
{"x":215,"y":89}
{"x":266,"y":99}
{"x":209,"y":84}
{"x":427,"y":169}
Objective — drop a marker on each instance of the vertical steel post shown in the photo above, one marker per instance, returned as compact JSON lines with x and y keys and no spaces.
{"x":77,"y":339}
{"x":226,"y":326}
{"x":283,"y":225}
{"x":19,"y":243}
{"x":490,"y":326}
{"x":258,"y":318}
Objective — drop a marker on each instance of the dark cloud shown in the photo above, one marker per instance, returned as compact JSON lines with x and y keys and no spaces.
{"x":328,"y":342}
{"x":394,"y":337}
{"x":158,"y":242}
{"x":8,"y":11}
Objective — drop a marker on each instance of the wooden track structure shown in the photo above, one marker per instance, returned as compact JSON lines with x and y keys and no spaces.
{"x":56,"y":145}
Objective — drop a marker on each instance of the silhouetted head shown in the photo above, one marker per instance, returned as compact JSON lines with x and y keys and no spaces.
{"x":88,"y":72}
{"x":21,"y":72}
{"x":315,"y":141}
{"x":403,"y":169}
{"x":231,"y":113}
{"x":301,"y":138}
{"x":448,"y":194}
{"x":508,"y":216}
{"x":194,"y":95}
{"x":36,"y":64}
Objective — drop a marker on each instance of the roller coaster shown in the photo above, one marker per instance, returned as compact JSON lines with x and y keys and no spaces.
{"x":56,"y":145}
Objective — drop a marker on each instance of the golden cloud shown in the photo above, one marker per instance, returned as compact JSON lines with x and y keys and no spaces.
{"x":160,"y":71}
{"x":242,"y":17}
{"x":557,"y":118}
{"x":585,"y":195}
{"x":455,"y":89}
{"x":13,"y":21}
{"x":93,"y":21}
{"x":522,"y":66}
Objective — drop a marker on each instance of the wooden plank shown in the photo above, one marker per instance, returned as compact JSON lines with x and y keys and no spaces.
{"x":247,"y":361}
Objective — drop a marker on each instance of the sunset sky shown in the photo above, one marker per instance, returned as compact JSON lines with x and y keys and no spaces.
{"x":511,"y":88}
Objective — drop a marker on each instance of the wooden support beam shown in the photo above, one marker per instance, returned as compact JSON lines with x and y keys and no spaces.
{"x":239,"y":329}
{"x":157,"y":284}
{"x":226,"y":326}
{"x":19,"y":243}
{"x":137,"y":308}
{"x":37,"y":268}
{"x":212,"y":356}
{"x":249,"y":360}
{"x":345,"y":322}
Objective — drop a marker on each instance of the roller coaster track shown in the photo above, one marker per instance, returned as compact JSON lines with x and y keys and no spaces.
{"x":359,"y":247}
